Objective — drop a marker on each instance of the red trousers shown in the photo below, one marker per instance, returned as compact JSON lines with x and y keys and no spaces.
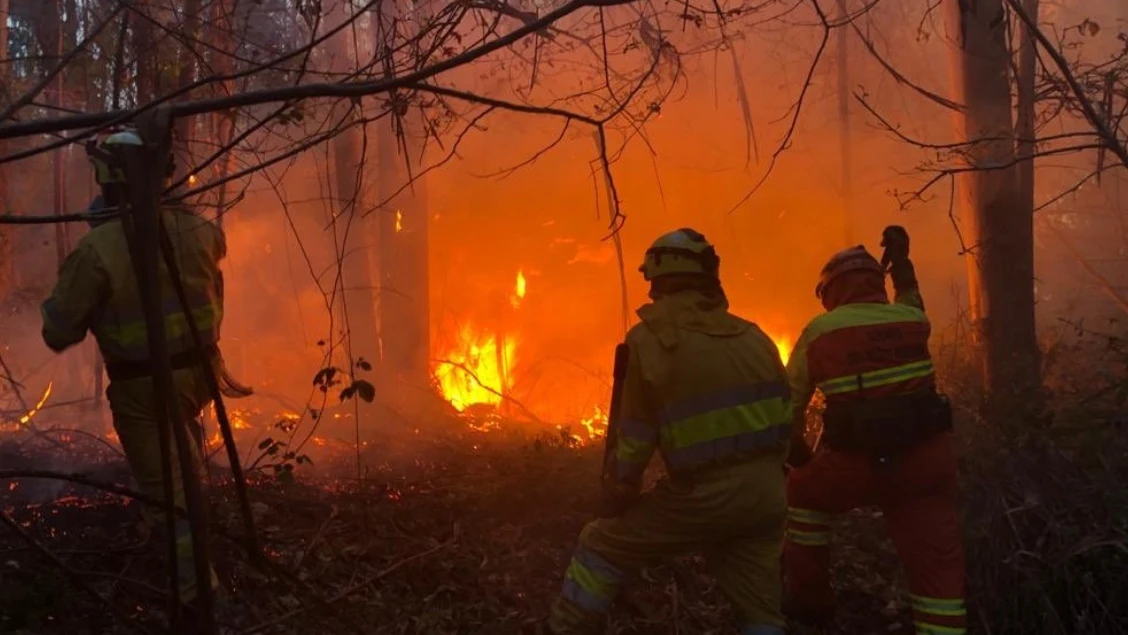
{"x":916,"y":492}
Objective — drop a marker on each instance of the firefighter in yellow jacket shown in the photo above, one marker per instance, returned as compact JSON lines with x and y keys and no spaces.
{"x":708,"y":391}
{"x":97,"y":292}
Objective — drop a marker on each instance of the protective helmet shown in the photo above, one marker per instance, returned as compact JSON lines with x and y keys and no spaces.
{"x":853,"y":259}
{"x":684,"y":251}
{"x":109,"y":164}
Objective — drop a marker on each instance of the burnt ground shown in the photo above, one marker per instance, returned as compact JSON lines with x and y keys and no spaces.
{"x":473,"y":538}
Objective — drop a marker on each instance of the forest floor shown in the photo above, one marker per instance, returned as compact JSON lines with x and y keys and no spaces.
{"x":471,"y":535}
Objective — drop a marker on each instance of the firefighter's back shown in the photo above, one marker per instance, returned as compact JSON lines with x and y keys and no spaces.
{"x":198,"y":246}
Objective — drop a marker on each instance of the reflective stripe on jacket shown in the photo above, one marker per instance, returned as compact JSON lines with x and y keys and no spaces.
{"x":702,"y":386}
{"x":97,"y":290}
{"x":869,"y":349}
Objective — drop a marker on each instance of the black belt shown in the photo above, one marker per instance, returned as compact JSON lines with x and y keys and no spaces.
{"x":137,"y":369}
{"x":886,"y":426}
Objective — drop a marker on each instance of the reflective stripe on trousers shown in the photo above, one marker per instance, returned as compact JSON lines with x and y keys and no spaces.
{"x":938,"y":616}
{"x":591,"y":582}
{"x":808,"y":527}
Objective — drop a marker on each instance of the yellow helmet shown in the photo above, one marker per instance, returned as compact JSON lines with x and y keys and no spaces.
{"x":109,"y":165}
{"x":681,"y":252}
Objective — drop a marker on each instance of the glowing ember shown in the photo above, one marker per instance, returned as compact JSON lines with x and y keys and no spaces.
{"x":238,"y":419}
{"x":26,"y":419}
{"x":518,"y":290}
{"x":192,"y":179}
{"x":399,"y":221}
{"x":476,"y":370}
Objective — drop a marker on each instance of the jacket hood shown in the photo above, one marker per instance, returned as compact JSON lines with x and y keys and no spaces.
{"x":690,"y":310}
{"x":855,"y":287}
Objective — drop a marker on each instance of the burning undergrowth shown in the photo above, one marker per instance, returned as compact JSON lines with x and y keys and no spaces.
{"x":464,"y":525}
{"x":471,"y":539}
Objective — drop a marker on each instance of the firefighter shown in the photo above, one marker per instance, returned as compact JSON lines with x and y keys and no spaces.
{"x":887,"y":435}
{"x":97,"y":292}
{"x":708,"y":391}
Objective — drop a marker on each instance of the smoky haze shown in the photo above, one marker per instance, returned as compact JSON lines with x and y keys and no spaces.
{"x":520,"y":198}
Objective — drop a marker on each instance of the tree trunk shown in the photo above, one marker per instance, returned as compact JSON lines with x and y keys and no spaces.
{"x":351,"y":229}
{"x":183,"y":128}
{"x":6,"y":266}
{"x":845,"y":144}
{"x":146,"y":55}
{"x":404,"y":284}
{"x":404,"y":295}
{"x":223,"y":63}
{"x":1024,"y":124}
{"x":999,"y":228}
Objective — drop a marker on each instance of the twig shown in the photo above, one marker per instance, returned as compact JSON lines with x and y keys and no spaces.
{"x":1110,"y":139}
{"x":797,"y":109}
{"x":30,"y":95}
{"x":362,"y":585}
{"x":305,"y":91}
{"x":72,"y":574}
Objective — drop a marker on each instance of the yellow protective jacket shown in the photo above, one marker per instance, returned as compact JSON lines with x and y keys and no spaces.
{"x":97,"y":290}
{"x":702,"y":387}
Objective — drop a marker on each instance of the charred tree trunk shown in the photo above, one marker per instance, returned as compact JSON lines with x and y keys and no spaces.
{"x":6,"y":267}
{"x":404,"y":286}
{"x":999,"y":229}
{"x":351,"y":229}
{"x":404,"y":294}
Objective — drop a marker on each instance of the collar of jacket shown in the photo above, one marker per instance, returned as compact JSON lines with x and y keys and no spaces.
{"x":689,"y":310}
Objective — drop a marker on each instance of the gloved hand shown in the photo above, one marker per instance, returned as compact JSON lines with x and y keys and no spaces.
{"x":800,"y":454}
{"x":895,"y":240}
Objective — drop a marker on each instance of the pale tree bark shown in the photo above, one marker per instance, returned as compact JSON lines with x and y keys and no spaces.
{"x":404,"y":268}
{"x":997,"y":228}
{"x":351,"y":229}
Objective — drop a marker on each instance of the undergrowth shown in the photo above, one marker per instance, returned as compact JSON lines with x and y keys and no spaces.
{"x":1046,"y":507}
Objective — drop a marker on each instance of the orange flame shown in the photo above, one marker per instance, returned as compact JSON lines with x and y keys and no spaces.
{"x":476,"y":370}
{"x":596,"y":424}
{"x":784,"y":345}
{"x":399,"y":221}
{"x":518,"y":290}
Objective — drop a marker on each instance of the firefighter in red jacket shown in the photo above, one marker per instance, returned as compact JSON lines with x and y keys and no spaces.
{"x":887,"y":437}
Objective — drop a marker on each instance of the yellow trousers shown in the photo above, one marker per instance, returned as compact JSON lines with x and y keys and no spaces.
{"x":133,"y":405}
{"x":734,"y":515}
